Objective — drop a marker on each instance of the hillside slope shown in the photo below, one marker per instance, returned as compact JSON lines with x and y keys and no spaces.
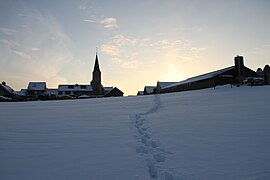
{"x":205,"y":134}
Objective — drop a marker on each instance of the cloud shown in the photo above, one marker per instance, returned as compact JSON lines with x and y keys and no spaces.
{"x":133,"y":64}
{"x":9,"y":43}
{"x":34,"y":49}
{"x":118,"y":42}
{"x":109,"y":22}
{"x":97,"y":17}
{"x":111,"y":50}
{"x":7,"y":31}
{"x":88,"y":8}
{"x":89,"y":20}
{"x":83,"y":7}
{"x":123,"y":40}
{"x":196,"y":50}
{"x":92,"y":19}
{"x":120,"y":51}
{"x":23,"y":55}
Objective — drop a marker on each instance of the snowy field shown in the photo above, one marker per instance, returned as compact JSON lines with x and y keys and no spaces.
{"x":197,"y":135}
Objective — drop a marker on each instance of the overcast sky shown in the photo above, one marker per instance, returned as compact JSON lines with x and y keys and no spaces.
{"x":139,"y":42}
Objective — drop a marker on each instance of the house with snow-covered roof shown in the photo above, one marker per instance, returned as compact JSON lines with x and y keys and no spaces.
{"x":76,"y":89}
{"x":36,"y":89}
{"x":114,"y":92}
{"x":52,"y":93}
{"x":230,"y":75}
{"x":5,"y":90}
{"x":9,"y":94}
{"x":149,"y":90}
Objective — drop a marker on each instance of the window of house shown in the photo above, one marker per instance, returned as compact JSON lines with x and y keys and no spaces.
{"x":70,"y":86}
{"x":83,"y":86}
{"x":67,"y":92}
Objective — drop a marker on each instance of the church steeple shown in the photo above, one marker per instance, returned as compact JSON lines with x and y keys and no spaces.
{"x":96,"y":79}
{"x":96,"y":67}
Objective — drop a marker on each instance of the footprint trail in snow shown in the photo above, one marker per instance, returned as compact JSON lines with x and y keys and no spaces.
{"x":150,"y":148}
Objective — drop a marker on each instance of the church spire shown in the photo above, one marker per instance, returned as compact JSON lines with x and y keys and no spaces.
{"x":96,"y":79}
{"x":96,"y":66}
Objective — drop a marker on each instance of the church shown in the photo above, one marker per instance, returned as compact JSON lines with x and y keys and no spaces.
{"x":94,"y":89}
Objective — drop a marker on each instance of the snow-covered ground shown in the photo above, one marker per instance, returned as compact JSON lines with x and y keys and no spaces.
{"x":205,"y":134}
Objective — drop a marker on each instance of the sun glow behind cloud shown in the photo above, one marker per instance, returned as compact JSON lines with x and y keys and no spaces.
{"x":151,"y":60}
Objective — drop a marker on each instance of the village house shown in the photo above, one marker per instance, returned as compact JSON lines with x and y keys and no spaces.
{"x":36,"y":89}
{"x":8,"y":94}
{"x":52,"y":92}
{"x":5,"y":90}
{"x":149,"y":90}
{"x":114,"y":92}
{"x":76,"y":90}
{"x":140,"y":93}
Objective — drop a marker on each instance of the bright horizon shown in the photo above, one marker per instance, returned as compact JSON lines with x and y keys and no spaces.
{"x":139,"y":42}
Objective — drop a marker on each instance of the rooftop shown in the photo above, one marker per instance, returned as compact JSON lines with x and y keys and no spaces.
{"x":37,"y":86}
{"x":201,"y":77}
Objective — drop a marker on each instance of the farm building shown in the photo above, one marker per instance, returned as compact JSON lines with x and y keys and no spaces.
{"x":230,"y":75}
{"x":161,"y":85}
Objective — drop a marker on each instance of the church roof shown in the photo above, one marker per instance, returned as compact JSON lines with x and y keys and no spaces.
{"x":96,"y":66}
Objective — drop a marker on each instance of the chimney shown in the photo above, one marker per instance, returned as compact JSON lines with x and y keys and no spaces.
{"x":239,"y":65}
{"x":4,"y":83}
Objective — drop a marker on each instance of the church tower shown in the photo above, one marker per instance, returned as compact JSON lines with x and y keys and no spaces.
{"x":96,"y":79}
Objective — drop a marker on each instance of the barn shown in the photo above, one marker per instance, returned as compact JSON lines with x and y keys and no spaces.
{"x":161,"y":85}
{"x":230,"y":75}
